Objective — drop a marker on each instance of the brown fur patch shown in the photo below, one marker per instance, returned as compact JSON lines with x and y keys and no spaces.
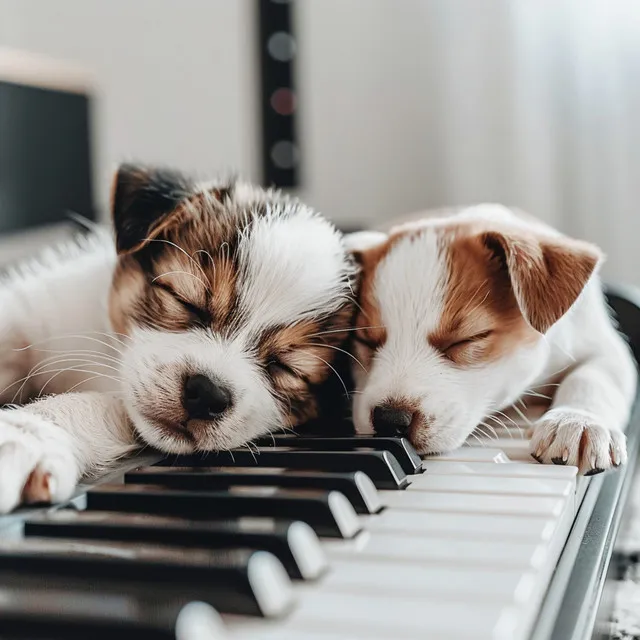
{"x":184,"y":276}
{"x":481,"y":320}
{"x":370,"y":332}
{"x":299,"y":357}
{"x":547,"y":274}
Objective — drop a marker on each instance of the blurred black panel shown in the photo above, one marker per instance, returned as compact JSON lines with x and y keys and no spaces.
{"x":278,"y":49}
{"x":45,"y":156}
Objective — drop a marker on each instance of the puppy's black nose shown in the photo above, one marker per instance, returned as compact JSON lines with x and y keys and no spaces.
{"x":205,"y":399}
{"x":390,"y":421}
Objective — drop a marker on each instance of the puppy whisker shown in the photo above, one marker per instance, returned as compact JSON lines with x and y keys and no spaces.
{"x":253,"y":455}
{"x":522,"y":415}
{"x":58,"y":372}
{"x":78,"y":384}
{"x":66,"y":337}
{"x":491,"y":435}
{"x":330,"y":331}
{"x":41,"y":368}
{"x":330,"y":346}
{"x":173,"y":244}
{"x":509,"y":418}
{"x":186,"y":273}
{"x":481,"y":442}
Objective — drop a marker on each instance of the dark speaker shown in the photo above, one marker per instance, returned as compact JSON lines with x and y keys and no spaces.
{"x":45,"y":148}
{"x":278,"y":48}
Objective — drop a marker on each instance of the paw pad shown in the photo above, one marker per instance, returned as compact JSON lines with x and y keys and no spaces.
{"x":37,"y":487}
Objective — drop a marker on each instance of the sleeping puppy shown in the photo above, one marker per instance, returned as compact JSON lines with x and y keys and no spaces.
{"x":464,"y":313}
{"x":213,"y":320}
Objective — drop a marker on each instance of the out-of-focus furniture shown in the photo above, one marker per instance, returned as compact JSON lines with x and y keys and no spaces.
{"x":45,"y":151}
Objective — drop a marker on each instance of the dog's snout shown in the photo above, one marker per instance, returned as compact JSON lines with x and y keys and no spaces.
{"x":391,"y":421}
{"x":205,"y":399}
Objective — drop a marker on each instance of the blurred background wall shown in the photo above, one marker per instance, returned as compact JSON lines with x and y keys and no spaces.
{"x":402,"y":104}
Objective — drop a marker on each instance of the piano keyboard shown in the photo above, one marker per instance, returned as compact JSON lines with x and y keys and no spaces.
{"x":298,"y":538}
{"x":323,"y":539}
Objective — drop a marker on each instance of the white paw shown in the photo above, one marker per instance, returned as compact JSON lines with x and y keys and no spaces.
{"x":579,"y":439}
{"x":36,"y":460}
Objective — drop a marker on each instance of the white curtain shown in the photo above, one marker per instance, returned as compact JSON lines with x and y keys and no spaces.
{"x":537,"y":103}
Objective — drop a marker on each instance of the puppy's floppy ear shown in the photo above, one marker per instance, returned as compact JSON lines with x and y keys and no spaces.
{"x":360,"y":242}
{"x":547,"y":274}
{"x":143,"y":200}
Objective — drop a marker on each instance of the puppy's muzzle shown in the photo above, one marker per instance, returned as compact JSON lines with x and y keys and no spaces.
{"x":389,"y":420}
{"x":205,"y":399}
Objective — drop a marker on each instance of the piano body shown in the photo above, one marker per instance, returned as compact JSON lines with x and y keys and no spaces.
{"x":323,"y":538}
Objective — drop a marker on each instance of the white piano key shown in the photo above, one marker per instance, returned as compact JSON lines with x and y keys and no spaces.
{"x":429,"y":550}
{"x":359,"y":575}
{"x":276,"y":632}
{"x":513,"y":469}
{"x":472,"y":454}
{"x":200,"y":621}
{"x":474,"y":525}
{"x":513,"y":448}
{"x":365,"y":616}
{"x":496,"y":485}
{"x":473,"y":503}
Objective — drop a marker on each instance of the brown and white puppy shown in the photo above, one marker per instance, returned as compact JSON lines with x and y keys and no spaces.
{"x":213,"y":320}
{"x":462,"y":314}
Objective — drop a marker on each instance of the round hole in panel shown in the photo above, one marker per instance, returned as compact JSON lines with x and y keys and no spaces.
{"x":283,"y":101}
{"x":285,"y":154}
{"x":281,"y":46}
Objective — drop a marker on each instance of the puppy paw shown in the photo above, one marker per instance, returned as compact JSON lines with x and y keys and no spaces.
{"x":36,"y":461}
{"x":579,"y":439}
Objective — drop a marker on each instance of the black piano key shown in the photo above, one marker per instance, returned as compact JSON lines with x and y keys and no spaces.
{"x":329,"y":513}
{"x":355,"y":485}
{"x":77,"y":615}
{"x":401,"y":448}
{"x":294,"y":543}
{"x":236,"y":581}
{"x":381,"y":466}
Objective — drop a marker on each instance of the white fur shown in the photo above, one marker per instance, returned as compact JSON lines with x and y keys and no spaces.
{"x":583,"y":350}
{"x":291,"y":269}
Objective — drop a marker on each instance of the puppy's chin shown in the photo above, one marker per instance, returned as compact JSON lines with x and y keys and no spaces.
{"x":163,"y":436}
{"x":200,"y":435}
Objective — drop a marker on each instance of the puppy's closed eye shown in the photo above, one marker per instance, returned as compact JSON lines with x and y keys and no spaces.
{"x":455,"y":349}
{"x":275,"y":366}
{"x":197,"y":315}
{"x":466,"y":341}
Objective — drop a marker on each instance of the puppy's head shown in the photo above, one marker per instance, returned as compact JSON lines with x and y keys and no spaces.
{"x":231,"y":301}
{"x":452,"y":318}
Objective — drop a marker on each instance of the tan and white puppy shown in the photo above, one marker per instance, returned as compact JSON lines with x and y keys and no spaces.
{"x":464,"y":313}
{"x":213,"y":319}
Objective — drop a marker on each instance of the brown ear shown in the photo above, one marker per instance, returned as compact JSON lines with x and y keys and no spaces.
{"x":547,"y":274}
{"x":143,"y":199}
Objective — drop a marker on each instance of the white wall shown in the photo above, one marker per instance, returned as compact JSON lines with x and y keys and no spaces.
{"x":176,"y":83}
{"x":405,"y":104}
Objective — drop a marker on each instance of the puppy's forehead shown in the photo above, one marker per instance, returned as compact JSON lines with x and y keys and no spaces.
{"x":291,"y":267}
{"x":410,"y":282}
